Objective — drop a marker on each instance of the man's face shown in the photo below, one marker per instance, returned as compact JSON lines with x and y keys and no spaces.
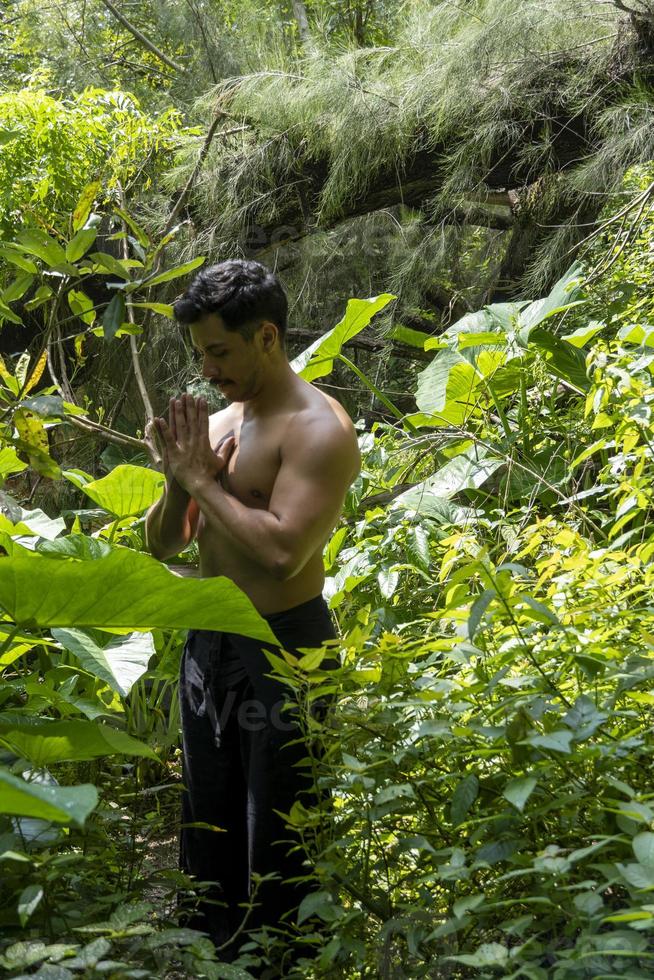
{"x":234,"y":365}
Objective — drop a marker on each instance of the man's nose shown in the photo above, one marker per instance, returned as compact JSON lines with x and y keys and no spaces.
{"x":208,"y":370}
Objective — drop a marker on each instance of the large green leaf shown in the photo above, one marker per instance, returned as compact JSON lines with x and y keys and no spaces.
{"x":126,"y":491}
{"x":179,"y":270}
{"x":80,"y":243}
{"x":34,"y":522}
{"x":563,"y":360}
{"x":467,"y":471}
{"x":113,"y":316}
{"x":120,"y":663}
{"x":318,"y":359}
{"x":10,"y":463}
{"x":564,"y":295}
{"x":61,"y":804}
{"x":124,"y":589}
{"x":446,"y":388}
{"x":68,"y":741}
{"x":36,"y":242}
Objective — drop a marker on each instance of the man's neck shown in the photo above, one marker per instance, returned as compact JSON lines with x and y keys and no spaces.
{"x":280,"y":382}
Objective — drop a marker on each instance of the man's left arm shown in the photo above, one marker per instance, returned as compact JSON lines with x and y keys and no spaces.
{"x":320,"y":459}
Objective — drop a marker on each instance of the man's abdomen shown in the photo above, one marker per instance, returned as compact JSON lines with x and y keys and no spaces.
{"x":269,"y":595}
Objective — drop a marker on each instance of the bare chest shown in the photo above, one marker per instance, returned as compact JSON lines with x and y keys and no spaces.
{"x":254,"y":463}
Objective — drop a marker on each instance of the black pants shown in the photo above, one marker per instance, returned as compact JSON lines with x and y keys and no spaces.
{"x":240,"y":755}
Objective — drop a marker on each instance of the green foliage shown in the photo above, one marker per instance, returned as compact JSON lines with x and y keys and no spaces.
{"x":488,"y":754}
{"x":318,"y":359}
{"x":485,"y":758}
{"x":52,"y":149}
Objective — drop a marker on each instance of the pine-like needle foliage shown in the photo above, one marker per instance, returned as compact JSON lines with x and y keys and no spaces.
{"x":489,"y":94}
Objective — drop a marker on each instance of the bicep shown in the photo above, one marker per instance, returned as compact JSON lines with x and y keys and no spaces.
{"x":310,"y":489}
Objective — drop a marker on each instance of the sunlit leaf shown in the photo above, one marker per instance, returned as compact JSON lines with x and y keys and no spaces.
{"x":85,"y":204}
{"x":124,"y":589}
{"x":127,"y":490}
{"x":81,"y":305}
{"x":120,"y":663}
{"x":318,"y":359}
{"x":179,"y":270}
{"x":518,"y":791}
{"x":80,"y":243}
{"x":61,"y":804}
{"x":44,"y":743}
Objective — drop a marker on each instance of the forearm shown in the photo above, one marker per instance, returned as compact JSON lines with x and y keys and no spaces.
{"x":256,"y":533}
{"x":167,"y":525}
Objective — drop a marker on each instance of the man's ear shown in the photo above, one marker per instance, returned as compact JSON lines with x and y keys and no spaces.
{"x":269,"y":334}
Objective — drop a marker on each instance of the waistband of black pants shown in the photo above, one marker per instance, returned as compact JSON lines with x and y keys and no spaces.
{"x":315,"y":605}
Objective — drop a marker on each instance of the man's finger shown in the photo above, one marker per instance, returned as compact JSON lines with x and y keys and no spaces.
{"x":225,"y":450}
{"x":171,"y":418}
{"x":164,"y":432}
{"x":190,"y":414}
{"x":203,"y":416}
{"x":180,"y":420}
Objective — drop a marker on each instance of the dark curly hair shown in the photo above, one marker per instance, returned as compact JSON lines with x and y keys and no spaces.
{"x":242,"y":292}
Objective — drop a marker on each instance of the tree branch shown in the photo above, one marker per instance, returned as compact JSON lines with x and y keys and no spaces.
{"x":146,"y":42}
{"x":133,"y":346}
{"x":186,"y":190}
{"x":374,"y":346}
{"x":108,"y":435}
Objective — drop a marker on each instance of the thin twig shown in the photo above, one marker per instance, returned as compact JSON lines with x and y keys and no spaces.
{"x":145,"y":41}
{"x":136,"y":363}
{"x":181,"y":200}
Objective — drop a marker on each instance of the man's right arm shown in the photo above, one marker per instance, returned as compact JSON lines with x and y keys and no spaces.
{"x":171,"y":523}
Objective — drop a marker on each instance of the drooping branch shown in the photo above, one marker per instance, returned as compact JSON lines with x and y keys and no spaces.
{"x":415,"y":185}
{"x":190,"y":183}
{"x":141,"y":38}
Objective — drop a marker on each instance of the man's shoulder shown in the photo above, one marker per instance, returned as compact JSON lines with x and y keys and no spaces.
{"x":323,"y":426}
{"x":321,"y":411}
{"x":222,"y":417}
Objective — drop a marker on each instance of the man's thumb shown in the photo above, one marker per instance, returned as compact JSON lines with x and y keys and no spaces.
{"x":225,"y":449}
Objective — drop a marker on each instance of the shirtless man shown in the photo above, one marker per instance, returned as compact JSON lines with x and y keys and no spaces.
{"x":261,"y":485}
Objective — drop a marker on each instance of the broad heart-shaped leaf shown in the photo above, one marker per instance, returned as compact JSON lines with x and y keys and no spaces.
{"x":467,"y":471}
{"x":318,"y":359}
{"x":48,"y":742}
{"x":34,"y":522}
{"x":120,"y":663}
{"x":124,"y":589}
{"x":446,"y":388}
{"x":126,"y":491}
{"x":61,"y":804}
{"x":470,"y":323}
{"x":564,"y":295}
